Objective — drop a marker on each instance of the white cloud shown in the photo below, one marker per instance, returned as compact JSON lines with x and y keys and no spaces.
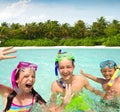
{"x":26,"y":11}
{"x":14,"y":10}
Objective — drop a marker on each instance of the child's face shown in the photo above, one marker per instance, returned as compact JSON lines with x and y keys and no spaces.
{"x":26,"y":80}
{"x":66,"y":68}
{"x":107,"y":72}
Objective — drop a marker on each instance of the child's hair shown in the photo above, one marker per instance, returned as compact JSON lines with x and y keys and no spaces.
{"x":38,"y":98}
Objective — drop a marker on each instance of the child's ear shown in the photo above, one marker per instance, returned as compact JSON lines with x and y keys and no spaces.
{"x":16,"y":81}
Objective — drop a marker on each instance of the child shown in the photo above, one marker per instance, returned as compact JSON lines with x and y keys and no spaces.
{"x":64,"y":63}
{"x":22,"y":96}
{"x":107,"y":69}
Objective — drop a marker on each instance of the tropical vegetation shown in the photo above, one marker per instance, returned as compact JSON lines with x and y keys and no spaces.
{"x":52,"y":33}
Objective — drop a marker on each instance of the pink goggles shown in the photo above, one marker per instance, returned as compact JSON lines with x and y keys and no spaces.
{"x":21,"y":65}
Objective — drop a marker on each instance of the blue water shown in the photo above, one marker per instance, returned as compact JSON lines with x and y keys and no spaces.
{"x":87,"y":59}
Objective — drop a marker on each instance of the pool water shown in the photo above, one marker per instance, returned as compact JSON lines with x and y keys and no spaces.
{"x":87,"y":59}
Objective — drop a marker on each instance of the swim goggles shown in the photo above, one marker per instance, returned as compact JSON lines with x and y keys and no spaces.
{"x":21,"y":66}
{"x":60,"y":56}
{"x":108,"y":63}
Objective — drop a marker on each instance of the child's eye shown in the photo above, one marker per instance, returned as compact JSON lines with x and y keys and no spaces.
{"x":26,"y":75}
{"x":33,"y":76}
{"x":68,"y":66}
{"x":61,"y":67}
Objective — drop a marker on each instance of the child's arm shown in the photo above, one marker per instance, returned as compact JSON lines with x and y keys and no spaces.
{"x":90,"y":76}
{"x":98,"y":92}
{"x":90,"y":88}
{"x":4,"y":55}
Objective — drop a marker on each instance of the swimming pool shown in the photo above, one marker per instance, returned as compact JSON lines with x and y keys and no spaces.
{"x":87,"y":59}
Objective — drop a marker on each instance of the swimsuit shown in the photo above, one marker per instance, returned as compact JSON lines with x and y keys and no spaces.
{"x":11,"y":107}
{"x":18,"y":108}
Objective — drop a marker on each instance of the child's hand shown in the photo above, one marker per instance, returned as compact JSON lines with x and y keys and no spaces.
{"x":5,"y":51}
{"x":81,"y":72}
{"x":68,"y":95}
{"x":110,"y":94}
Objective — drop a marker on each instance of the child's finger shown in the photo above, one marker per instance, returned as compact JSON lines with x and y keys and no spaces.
{"x":7,"y":48}
{"x":8,"y":57}
{"x":9,"y":52}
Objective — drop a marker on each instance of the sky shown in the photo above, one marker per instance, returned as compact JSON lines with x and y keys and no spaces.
{"x":63,"y":11}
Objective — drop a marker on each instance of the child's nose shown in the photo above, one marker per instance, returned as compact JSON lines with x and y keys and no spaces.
{"x":107,"y":73}
{"x":30,"y":78}
{"x":65,"y":70}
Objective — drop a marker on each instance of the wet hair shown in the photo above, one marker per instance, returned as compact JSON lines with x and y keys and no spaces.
{"x":9,"y":100}
{"x":38,"y":98}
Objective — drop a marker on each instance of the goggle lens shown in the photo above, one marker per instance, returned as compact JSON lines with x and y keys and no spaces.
{"x":108,"y":63}
{"x":22,"y":65}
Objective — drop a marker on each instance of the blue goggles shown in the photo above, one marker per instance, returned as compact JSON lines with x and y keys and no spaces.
{"x":108,"y":63}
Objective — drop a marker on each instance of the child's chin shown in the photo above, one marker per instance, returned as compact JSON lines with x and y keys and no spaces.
{"x":66,"y":78}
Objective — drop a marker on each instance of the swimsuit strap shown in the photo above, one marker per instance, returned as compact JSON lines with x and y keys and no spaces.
{"x":9,"y":100}
{"x":32,"y":100}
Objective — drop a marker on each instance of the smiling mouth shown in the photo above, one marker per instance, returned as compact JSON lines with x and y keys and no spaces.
{"x":28,"y":85}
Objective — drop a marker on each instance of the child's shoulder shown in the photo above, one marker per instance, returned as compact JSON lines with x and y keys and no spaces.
{"x":54,"y":83}
{"x":80,"y":77}
{"x":118,"y":77}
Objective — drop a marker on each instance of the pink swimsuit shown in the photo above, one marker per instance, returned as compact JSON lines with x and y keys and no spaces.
{"x":18,"y":108}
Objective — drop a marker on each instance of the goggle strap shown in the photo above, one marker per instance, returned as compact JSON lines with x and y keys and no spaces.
{"x":56,"y":69}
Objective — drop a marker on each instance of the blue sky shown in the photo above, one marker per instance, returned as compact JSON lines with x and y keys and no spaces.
{"x":63,"y":11}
